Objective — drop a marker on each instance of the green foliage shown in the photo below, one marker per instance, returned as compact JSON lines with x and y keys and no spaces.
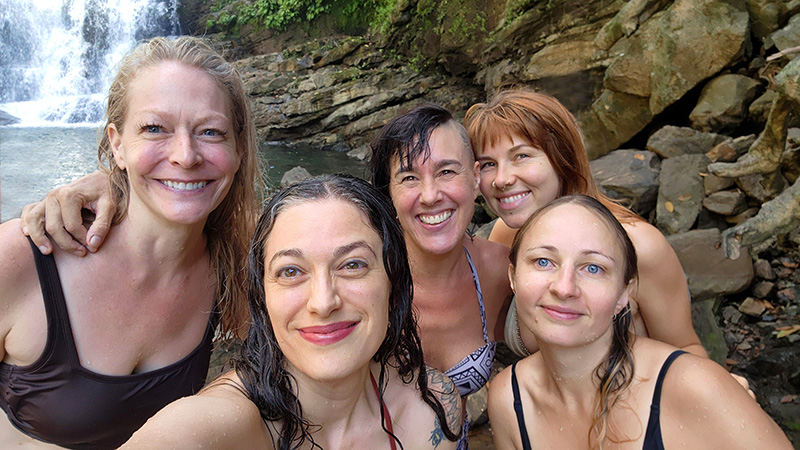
{"x":279,"y":14}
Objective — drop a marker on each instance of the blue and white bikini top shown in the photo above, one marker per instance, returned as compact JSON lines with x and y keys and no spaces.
{"x":472,"y":372}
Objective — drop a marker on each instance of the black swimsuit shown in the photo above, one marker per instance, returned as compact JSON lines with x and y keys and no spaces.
{"x":56,"y":400}
{"x":652,"y":437}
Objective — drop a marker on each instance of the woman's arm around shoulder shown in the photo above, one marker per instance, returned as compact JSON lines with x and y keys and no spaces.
{"x":219,"y":417}
{"x":702,"y":406}
{"x":662,"y":292}
{"x":18,"y":281}
{"x":505,"y":431}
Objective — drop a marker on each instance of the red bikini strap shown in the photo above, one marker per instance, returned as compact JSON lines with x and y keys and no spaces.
{"x":385,"y":411}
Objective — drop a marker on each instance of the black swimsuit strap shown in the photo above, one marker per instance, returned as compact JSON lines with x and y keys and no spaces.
{"x":652,"y":436}
{"x":523,"y":431}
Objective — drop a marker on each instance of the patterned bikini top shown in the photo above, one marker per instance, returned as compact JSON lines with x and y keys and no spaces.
{"x":472,"y":372}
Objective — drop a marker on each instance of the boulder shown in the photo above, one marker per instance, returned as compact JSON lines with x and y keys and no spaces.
{"x":788,"y":36}
{"x":630,"y":176}
{"x":705,"y":324}
{"x":294,"y":175}
{"x":726,"y":203}
{"x":680,"y":192}
{"x":723,"y":103}
{"x":659,"y":63}
{"x":672,"y":141}
{"x":709,"y":273}
{"x":8,"y":119}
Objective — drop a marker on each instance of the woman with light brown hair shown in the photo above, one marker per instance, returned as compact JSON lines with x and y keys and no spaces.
{"x":593,"y":384}
{"x":92,"y":347}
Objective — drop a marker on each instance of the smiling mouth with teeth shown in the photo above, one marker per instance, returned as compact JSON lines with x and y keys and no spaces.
{"x":513,"y":198}
{"x":181,"y":186}
{"x":436,"y":219}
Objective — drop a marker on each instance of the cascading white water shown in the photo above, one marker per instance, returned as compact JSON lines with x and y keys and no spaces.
{"x":57,"y":57}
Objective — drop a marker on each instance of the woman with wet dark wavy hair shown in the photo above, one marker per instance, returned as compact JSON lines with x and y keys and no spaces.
{"x":332,"y":358}
{"x":593,"y":384}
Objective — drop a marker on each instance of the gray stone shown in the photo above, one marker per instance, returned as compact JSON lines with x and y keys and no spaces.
{"x":742,"y":217}
{"x":763,"y":289}
{"x":705,"y":324}
{"x":765,"y":16}
{"x":709,"y":273}
{"x":751,"y":307}
{"x":726,"y":203}
{"x":680,"y":192}
{"x":713,"y":183}
{"x":672,"y":141}
{"x":294,"y":175}
{"x":759,"y":109}
{"x":762,"y":187}
{"x":788,"y":36}
{"x":723,"y":103}
{"x":630,"y":176}
{"x":7,"y":119}
{"x":763,"y":269}
{"x":723,"y":152}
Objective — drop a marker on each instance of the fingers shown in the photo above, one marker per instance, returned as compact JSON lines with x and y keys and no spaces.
{"x":745,"y":384}
{"x":66,"y":232}
{"x":104,"y":210}
{"x":32,"y":222}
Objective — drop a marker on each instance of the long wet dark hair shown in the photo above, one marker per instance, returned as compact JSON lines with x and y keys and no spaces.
{"x":262,"y":366}
{"x":615,"y":373}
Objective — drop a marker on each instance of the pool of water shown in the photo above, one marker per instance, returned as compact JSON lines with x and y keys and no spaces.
{"x":34,"y":160}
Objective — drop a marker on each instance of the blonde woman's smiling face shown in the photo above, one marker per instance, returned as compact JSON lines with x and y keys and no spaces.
{"x":568,"y":277}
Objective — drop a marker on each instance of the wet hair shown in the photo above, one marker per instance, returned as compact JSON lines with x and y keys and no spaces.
{"x":615,"y":373}
{"x":262,"y":364}
{"x":543,"y":123}
{"x":229,"y":227}
{"x":407,"y":137}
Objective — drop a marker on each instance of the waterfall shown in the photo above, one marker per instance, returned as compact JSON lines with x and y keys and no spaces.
{"x":57,"y":57}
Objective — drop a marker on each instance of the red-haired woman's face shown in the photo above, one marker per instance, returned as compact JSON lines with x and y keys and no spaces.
{"x":516,"y":179}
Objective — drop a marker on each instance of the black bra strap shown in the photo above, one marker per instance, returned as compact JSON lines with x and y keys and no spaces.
{"x":523,"y":431}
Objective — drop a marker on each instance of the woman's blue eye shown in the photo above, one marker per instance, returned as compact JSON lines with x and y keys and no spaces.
{"x":593,"y":269}
{"x":151,"y":128}
{"x":542,"y":262}
{"x":213,"y":132}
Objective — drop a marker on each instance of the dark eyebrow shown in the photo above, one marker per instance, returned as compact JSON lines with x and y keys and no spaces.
{"x":437,"y":165}
{"x":341,"y":251}
{"x":345,"y":249}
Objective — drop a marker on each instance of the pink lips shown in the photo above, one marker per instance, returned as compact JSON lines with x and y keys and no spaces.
{"x":327,"y":334}
{"x":560,"y":313}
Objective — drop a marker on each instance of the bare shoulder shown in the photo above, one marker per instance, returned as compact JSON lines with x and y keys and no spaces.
{"x":649,"y":242}
{"x":219,"y":417}
{"x":505,"y":431}
{"x":17,"y":257}
{"x":700,"y":399}
{"x":18,"y":277}
{"x":491,"y":260}
{"x":502,"y":233}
